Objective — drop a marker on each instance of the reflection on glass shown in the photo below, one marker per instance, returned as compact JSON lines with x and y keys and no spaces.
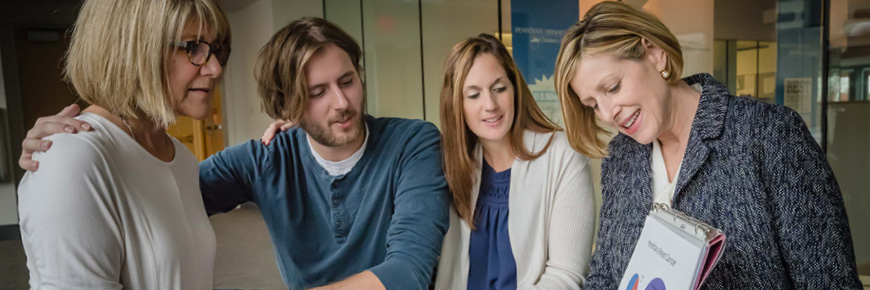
{"x":849,"y":117}
{"x":748,"y":68}
{"x":844,"y":85}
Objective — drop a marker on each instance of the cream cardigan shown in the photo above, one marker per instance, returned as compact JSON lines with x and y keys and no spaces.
{"x":551,"y":220}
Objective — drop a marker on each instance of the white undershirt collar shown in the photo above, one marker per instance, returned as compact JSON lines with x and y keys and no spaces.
{"x":341,"y":167}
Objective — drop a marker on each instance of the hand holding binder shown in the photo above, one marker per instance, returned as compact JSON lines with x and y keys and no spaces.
{"x":674,"y":251}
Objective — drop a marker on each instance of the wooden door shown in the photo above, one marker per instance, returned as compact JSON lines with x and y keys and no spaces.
{"x":202,"y":137}
{"x":40,"y":70}
{"x":190,"y":132}
{"x":213,"y":125}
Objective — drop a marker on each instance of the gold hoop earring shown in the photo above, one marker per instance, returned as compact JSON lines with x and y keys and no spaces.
{"x":665,"y":74}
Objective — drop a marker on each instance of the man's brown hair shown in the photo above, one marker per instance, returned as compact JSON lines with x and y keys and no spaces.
{"x":280,"y":70}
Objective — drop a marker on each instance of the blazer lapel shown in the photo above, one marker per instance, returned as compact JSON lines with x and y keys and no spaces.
{"x":694,"y":158}
{"x":637,"y":160}
{"x":709,"y":122}
{"x":644,"y":169}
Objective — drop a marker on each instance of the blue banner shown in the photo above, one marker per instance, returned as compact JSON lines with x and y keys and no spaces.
{"x":537,"y":28}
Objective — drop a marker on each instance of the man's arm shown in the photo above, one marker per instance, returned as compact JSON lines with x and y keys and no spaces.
{"x":420,"y":214}
{"x":226,"y":179}
{"x":365,"y":280}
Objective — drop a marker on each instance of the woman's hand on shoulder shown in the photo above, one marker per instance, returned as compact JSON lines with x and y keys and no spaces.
{"x":273,"y":129}
{"x":63,"y":122}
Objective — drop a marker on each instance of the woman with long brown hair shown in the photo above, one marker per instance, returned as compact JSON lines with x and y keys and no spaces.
{"x":523,"y":213}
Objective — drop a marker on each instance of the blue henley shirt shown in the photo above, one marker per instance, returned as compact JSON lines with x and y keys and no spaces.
{"x":387,"y":215}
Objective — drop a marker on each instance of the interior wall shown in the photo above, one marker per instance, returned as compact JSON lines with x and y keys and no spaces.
{"x":394,"y":79}
{"x":691,"y":21}
{"x":13,"y":15}
{"x":253,"y":24}
{"x":8,"y":200}
{"x":745,"y":20}
{"x":285,"y":11}
{"x":440,"y":34}
{"x":251,"y":27}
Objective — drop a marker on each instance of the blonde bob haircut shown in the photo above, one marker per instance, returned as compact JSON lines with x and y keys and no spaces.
{"x":120,"y":52}
{"x":280,"y":70}
{"x":458,"y":142}
{"x":616,"y":29}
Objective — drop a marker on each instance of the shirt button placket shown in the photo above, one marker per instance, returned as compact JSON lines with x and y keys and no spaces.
{"x":336,"y":209}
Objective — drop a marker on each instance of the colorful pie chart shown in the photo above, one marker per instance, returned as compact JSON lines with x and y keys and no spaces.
{"x":656,"y":284}
{"x":633,"y":283}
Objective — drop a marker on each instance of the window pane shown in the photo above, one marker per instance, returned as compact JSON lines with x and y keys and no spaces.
{"x":849,"y":117}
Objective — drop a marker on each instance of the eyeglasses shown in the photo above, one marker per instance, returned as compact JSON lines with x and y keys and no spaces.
{"x":199,"y":51}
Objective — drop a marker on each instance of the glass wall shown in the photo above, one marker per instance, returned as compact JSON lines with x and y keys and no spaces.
{"x":848,"y":116}
{"x":747,"y":67}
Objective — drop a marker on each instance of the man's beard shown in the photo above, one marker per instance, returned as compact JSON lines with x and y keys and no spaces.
{"x":324,"y":136}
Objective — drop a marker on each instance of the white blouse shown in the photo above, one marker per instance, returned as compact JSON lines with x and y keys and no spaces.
{"x":663,"y":189}
{"x":103,"y":213}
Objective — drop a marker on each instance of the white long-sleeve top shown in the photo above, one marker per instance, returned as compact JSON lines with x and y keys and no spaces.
{"x":103,"y":213}
{"x":551,"y":220}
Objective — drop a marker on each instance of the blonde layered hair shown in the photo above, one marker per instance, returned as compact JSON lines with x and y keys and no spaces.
{"x":458,"y":142}
{"x":120,"y":52}
{"x":615,"y":29}
{"x":280,"y":71}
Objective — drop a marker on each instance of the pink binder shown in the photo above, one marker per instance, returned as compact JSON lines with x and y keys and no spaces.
{"x":674,"y":251}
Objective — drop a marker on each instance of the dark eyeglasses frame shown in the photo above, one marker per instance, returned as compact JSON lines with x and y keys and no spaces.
{"x":213,"y":49}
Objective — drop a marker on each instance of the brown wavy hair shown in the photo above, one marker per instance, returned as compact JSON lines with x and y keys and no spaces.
{"x":457,"y":140}
{"x":280,"y":70}
{"x":616,"y":29}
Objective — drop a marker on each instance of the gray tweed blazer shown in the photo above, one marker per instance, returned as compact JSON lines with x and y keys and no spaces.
{"x":751,"y":169}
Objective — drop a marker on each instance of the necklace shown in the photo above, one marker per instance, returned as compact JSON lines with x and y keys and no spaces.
{"x":123,"y":119}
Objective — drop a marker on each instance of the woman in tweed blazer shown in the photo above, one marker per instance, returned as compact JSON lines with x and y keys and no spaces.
{"x":746,"y":167}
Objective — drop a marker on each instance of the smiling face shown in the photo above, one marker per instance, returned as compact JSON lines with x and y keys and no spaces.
{"x":628,"y":95}
{"x":191,"y":86}
{"x":488,"y":99}
{"x":332,"y":114}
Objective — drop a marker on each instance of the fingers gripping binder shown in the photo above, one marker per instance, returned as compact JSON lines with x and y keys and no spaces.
{"x":674,"y":251}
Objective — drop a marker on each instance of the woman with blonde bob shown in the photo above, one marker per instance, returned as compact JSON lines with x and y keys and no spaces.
{"x":523,"y":213}
{"x":119,"y":206}
{"x":749,"y":168}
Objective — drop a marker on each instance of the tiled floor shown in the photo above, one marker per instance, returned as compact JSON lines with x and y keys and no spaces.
{"x":245,"y":259}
